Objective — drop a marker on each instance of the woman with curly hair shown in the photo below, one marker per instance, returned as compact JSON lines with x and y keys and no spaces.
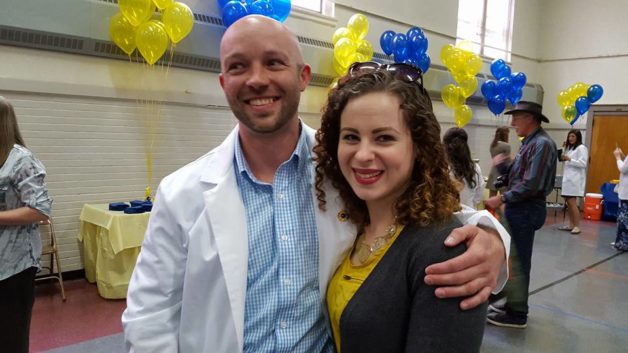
{"x":463,"y":168}
{"x":379,"y":145}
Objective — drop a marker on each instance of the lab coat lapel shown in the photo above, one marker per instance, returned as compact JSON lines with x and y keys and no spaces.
{"x":228,"y":225}
{"x":335,"y":234}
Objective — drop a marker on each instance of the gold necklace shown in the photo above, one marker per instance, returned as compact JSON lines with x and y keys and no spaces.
{"x":363,"y":250}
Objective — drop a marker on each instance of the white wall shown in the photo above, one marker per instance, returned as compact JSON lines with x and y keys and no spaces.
{"x":584,"y":41}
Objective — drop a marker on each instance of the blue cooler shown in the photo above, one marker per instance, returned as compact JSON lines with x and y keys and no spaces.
{"x":610,"y":199}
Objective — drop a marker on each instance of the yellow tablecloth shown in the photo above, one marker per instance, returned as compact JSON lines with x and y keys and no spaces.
{"x":111,"y":243}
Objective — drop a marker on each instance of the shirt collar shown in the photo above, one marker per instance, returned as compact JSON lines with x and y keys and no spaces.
{"x":301,"y":156}
{"x":531,"y":136}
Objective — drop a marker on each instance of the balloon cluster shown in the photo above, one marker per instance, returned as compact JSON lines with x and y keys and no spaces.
{"x":463,"y":65}
{"x":576,"y":100}
{"x":350,"y":45}
{"x":233,"y":10}
{"x":409,"y":48}
{"x":133,"y":27}
{"x":509,"y":86}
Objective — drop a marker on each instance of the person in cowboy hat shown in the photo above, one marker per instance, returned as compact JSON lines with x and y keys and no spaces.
{"x":530,"y":178}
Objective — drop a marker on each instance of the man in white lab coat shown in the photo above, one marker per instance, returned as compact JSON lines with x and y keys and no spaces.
{"x":237,"y":256}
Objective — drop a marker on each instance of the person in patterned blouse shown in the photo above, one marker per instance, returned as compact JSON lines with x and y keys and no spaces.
{"x":24,"y":202}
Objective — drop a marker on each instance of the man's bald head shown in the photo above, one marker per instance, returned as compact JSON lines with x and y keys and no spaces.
{"x":261,"y":29}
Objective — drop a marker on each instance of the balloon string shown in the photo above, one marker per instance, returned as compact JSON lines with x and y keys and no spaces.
{"x":171,"y":57}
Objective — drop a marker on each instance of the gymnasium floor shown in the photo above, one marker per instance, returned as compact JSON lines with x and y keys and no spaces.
{"x":578,"y":302}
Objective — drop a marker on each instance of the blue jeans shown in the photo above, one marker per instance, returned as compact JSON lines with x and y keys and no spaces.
{"x":524,"y":218}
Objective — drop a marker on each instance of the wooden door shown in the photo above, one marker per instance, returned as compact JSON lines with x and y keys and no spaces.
{"x":608,"y":131}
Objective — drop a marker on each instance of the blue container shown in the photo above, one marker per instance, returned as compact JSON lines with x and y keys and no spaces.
{"x":610,"y":199}
{"x":118,"y":206}
{"x":148,"y":206}
{"x":135,"y":203}
{"x":134,"y":209}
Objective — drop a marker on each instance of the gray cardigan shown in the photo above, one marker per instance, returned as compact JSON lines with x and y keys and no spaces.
{"x":395,"y":311}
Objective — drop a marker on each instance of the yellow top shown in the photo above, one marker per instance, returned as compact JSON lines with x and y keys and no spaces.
{"x":346,"y":282}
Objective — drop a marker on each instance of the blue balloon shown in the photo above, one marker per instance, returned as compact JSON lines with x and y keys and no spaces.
{"x":496,"y":104}
{"x":489,"y":89}
{"x":519,"y":79}
{"x":418,"y":44}
{"x":261,"y":7}
{"x":400,"y":47}
{"x":499,"y":68}
{"x":424,"y":63}
{"x":515,"y":96}
{"x":414,"y":31}
{"x":594,"y":93}
{"x":401,"y":55}
{"x":412,"y":61}
{"x":504,"y":86}
{"x":233,"y":11}
{"x":280,"y":9}
{"x":386,"y":42}
{"x":222,"y":3}
{"x":582,"y":105}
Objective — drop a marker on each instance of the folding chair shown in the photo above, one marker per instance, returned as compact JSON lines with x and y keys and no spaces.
{"x":49,"y":248}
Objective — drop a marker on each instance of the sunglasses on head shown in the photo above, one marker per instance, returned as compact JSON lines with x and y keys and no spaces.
{"x":401,"y":71}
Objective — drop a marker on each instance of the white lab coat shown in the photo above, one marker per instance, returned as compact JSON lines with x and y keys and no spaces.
{"x":188,"y":289}
{"x":575,"y":172}
{"x":471,"y":197}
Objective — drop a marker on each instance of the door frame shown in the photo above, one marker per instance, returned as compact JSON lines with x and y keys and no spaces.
{"x":601,"y":109}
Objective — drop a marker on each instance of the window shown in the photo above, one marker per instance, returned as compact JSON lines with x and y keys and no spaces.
{"x":325,"y":7}
{"x":488,"y":25}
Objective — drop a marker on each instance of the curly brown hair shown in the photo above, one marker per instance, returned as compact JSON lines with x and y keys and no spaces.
{"x":431,"y":196}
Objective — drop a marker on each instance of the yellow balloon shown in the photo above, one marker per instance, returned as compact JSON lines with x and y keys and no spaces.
{"x":344,"y":51}
{"x":452,"y":97}
{"x":339,"y":69}
{"x":568,"y":112}
{"x":342,"y":32}
{"x":359,"y":25}
{"x":152,"y":41}
{"x":366,"y":49}
{"x":137,"y":11}
{"x":563,"y":98}
{"x":178,"y":21}
{"x":474,"y":64}
{"x":163,"y":4}
{"x":580,"y":89}
{"x":122,"y":33}
{"x":465,"y":45}
{"x":361,"y":58}
{"x":457,"y":61}
{"x":463,"y":115}
{"x":459,"y":76}
{"x":468,"y":86}
{"x":446,"y":53}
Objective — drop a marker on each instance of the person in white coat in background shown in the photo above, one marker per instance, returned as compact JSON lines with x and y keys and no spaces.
{"x":463,"y":168}
{"x":575,"y":156}
{"x":237,"y":256}
{"x":621,"y":240}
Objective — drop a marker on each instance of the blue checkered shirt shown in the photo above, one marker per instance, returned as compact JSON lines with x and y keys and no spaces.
{"x":282,"y":311}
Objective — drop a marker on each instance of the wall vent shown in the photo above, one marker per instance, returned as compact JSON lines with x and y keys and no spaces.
{"x":40,"y":40}
{"x":315,"y":42}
